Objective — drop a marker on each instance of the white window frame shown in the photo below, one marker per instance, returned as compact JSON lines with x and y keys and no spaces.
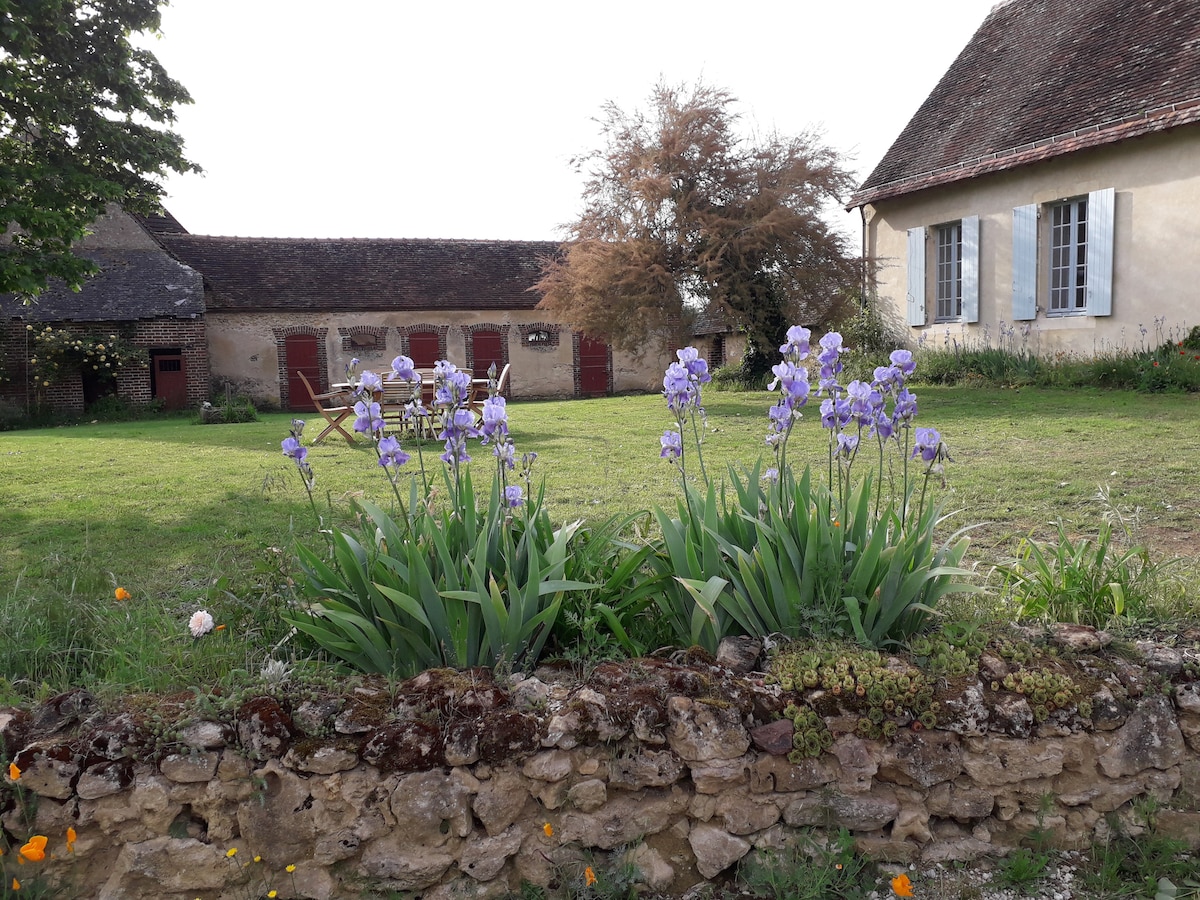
{"x":1088,"y":257}
{"x":948,"y":279}
{"x":965,"y":274}
{"x":1068,"y":249}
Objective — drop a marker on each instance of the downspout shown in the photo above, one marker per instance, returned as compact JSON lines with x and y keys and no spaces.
{"x":862,"y":211}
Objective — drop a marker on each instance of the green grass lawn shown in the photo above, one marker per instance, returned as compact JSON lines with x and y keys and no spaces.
{"x":187,"y":516}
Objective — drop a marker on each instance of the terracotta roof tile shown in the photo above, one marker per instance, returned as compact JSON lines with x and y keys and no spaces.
{"x":352,"y":273}
{"x":1041,"y":78}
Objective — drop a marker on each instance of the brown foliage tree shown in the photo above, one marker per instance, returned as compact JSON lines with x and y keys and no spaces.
{"x":683,"y":216}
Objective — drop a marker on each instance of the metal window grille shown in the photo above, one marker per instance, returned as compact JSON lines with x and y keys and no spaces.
{"x":949,"y":271}
{"x":1068,"y":257}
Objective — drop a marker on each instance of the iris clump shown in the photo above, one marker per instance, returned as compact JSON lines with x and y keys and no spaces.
{"x":446,"y":578}
{"x":776,"y":552}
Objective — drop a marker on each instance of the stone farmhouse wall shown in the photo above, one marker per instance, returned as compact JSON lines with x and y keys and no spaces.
{"x":247,"y":349}
{"x":460,"y":785}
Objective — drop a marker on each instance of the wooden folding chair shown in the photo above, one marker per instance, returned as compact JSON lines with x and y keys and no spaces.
{"x":396,"y":395}
{"x":334,"y":415}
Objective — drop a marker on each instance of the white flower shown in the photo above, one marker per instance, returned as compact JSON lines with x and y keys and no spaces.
{"x":200,"y":623}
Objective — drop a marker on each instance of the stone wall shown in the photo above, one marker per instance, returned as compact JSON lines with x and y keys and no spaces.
{"x":461,"y":785}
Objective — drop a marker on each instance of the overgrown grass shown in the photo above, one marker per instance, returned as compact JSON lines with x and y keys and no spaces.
{"x":187,"y":517}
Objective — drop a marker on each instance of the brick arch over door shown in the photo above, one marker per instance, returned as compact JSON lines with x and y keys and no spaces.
{"x":423,"y":344}
{"x":487,"y":344}
{"x":301,"y":348}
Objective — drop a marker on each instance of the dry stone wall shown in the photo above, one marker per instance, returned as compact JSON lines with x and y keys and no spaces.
{"x":460,"y":785}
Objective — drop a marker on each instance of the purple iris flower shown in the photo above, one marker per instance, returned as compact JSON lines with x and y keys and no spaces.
{"x":294,"y":449}
{"x":846,"y":444}
{"x":906,"y":407}
{"x":835,"y":413}
{"x":369,"y":419}
{"x":461,"y":422}
{"x":672,"y":445}
{"x":796,"y":346}
{"x":390,"y":453}
{"x":458,"y":427}
{"x":513,"y":496}
{"x":402,"y":368}
{"x":883,"y":426}
{"x":506,"y":453}
{"x":415,"y":409}
{"x":781,"y":416}
{"x":831,"y":341}
{"x":495,"y":418}
{"x":678,"y":387}
{"x":689,"y":358}
{"x":859,"y":393}
{"x":794,"y":382}
{"x":369,"y":382}
{"x":828,"y":413}
{"x":453,"y":387}
{"x":927,"y":444}
{"x":903,"y":360}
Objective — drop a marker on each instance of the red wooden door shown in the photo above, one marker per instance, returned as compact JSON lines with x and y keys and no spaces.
{"x":170,"y":380}
{"x":487,"y":349}
{"x":300,"y":355}
{"x":424,"y":349}
{"x":593,"y":367}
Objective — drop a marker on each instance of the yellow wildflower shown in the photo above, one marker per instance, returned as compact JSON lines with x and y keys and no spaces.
{"x":272,"y":893}
{"x":290,"y":868}
{"x":231,"y":852}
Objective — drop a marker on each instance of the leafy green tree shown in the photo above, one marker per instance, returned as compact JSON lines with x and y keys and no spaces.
{"x":682,"y":215}
{"x":84,"y":119}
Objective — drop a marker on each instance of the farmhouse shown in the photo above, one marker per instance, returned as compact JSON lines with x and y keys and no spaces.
{"x":1047,"y":187}
{"x":253,"y":313}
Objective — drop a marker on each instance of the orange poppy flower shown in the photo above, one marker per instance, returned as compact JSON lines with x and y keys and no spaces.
{"x":589,"y":876}
{"x":16,"y":885}
{"x":122,"y":594}
{"x":35,"y":849}
{"x":549,"y":831}
{"x":71,"y":838}
{"x":13,"y":772}
{"x":902,"y":885}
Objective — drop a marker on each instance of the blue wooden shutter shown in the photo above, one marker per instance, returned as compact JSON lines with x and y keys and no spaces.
{"x":1100,"y":252}
{"x":1024,"y":263}
{"x":916,"y":276}
{"x":970,"y":268}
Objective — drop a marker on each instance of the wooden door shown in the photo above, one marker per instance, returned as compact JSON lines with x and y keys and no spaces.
{"x":300,"y":355}
{"x":594,"y":367}
{"x":487,"y":349}
{"x":424,"y":349}
{"x":170,"y":379}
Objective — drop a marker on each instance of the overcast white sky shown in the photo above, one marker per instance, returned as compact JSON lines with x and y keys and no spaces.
{"x":458,"y":118}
